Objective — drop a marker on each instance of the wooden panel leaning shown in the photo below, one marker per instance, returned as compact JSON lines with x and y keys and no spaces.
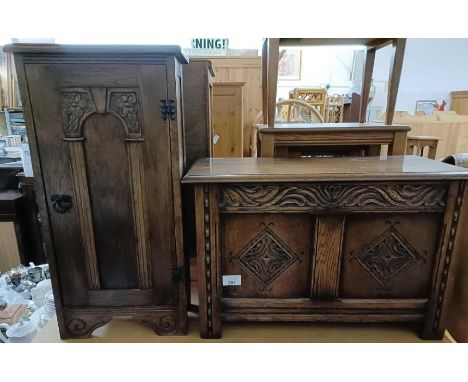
{"x":105,"y":130}
{"x":450,"y":128}
{"x":459,"y":102}
{"x":328,"y":239}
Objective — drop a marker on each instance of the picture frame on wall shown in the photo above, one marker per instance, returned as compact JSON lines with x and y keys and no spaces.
{"x":289,"y":66}
{"x":425,"y":106}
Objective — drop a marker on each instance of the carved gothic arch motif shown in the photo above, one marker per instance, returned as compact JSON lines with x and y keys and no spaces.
{"x":80,"y":103}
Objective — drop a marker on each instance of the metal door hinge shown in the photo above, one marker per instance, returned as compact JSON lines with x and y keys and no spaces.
{"x":168,"y":109}
{"x":177,"y":274}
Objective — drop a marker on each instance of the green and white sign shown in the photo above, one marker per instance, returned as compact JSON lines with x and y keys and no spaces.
{"x":208,"y":47}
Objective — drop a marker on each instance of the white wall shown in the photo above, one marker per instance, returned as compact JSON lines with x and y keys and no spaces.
{"x":432,"y":68}
{"x":321,"y":66}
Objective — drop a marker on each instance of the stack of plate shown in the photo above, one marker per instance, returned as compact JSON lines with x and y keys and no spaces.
{"x":39,"y":292}
{"x":49,"y":305}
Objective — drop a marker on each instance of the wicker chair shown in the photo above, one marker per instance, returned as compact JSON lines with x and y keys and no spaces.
{"x":294,"y":111}
{"x":313,"y":96}
{"x":334,"y":108}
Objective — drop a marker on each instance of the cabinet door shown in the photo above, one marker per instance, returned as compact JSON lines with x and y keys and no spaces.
{"x":105,"y":155}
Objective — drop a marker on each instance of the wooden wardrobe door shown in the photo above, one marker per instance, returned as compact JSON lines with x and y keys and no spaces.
{"x":103,"y":143}
{"x":228,"y":122}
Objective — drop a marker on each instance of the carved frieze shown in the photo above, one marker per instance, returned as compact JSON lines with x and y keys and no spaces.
{"x":265,"y":257}
{"x":302,"y":197}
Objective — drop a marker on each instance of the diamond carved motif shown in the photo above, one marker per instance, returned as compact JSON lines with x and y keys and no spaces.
{"x":266,"y":257}
{"x":387,"y":256}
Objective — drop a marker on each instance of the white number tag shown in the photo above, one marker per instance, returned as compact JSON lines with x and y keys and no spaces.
{"x":230,"y":280}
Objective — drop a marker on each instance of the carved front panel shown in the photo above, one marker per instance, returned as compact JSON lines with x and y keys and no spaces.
{"x":271,"y":253}
{"x":265,"y":257}
{"x":387,"y":256}
{"x":307,"y":197}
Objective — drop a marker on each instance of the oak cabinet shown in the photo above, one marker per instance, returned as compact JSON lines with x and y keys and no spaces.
{"x":105,"y":128}
{"x":328,"y":239}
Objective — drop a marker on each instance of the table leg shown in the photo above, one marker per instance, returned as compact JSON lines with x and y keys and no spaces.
{"x":374,"y":150}
{"x":398,"y":147}
{"x":282,"y":152}
{"x":267,"y":148}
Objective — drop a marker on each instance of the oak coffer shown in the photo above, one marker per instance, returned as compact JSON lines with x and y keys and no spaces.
{"x":328,"y":239}
{"x":105,"y":128}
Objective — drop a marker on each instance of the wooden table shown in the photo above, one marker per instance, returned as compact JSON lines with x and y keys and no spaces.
{"x":271,"y":56}
{"x":285,"y":140}
{"x":328,"y":239}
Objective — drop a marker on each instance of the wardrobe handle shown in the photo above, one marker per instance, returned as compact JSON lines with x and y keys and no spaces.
{"x":61,"y":203}
{"x":168,"y":109}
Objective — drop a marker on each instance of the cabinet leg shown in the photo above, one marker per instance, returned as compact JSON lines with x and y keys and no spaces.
{"x":435,"y":335}
{"x":83,"y":326}
{"x":163,"y":325}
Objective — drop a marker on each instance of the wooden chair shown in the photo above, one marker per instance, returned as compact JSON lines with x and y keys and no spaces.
{"x":287,"y":111}
{"x":334,"y":108}
{"x":315,"y":97}
{"x":416,"y":146}
{"x":294,"y":111}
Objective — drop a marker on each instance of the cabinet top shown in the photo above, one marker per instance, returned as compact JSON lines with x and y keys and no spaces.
{"x":158,"y":50}
{"x":234,"y":170}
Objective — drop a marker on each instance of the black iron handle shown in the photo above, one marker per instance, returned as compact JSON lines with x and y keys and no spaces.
{"x":168,"y":109}
{"x":61,"y":203}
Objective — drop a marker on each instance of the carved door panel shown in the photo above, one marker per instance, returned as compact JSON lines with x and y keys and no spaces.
{"x":270,"y":252}
{"x":105,"y":156}
{"x":389,"y":256}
